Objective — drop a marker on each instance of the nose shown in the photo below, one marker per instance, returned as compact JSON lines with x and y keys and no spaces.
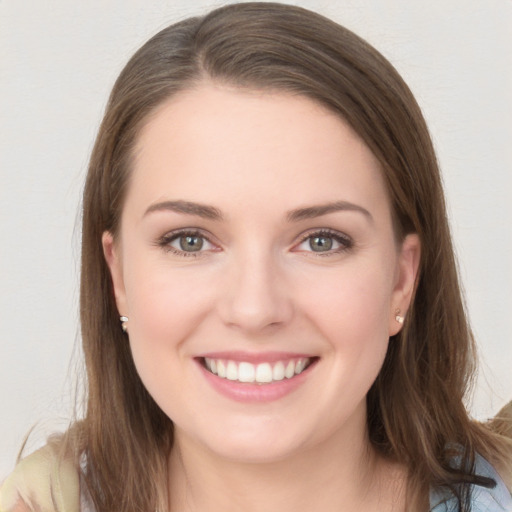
{"x":255,"y":298}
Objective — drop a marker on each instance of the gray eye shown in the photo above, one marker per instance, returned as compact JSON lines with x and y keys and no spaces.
{"x":191,"y":243}
{"x":320,"y":243}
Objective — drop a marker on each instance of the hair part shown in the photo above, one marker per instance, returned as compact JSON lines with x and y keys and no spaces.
{"x":292,"y":50}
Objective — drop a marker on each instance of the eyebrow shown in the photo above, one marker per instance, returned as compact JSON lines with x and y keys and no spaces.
{"x":311,"y":212}
{"x":210,"y":212}
{"x":186,"y":207}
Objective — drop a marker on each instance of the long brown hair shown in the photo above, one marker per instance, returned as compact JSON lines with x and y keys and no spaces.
{"x":416,"y":412}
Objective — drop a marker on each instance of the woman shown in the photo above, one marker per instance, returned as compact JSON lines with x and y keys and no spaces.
{"x":269,"y":300}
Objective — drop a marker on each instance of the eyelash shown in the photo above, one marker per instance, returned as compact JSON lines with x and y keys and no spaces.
{"x":346,"y":243}
{"x":165,"y":242}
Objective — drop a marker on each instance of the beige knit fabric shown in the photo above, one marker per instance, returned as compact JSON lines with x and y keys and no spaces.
{"x":42,"y":483}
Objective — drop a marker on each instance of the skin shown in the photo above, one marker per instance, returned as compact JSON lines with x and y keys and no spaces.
{"x":258,"y":286}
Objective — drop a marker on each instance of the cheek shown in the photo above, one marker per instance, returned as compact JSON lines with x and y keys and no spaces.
{"x":165,"y":309}
{"x":352,"y":315}
{"x":167,"y":305}
{"x":352,"y":303}
{"x":164,"y":304}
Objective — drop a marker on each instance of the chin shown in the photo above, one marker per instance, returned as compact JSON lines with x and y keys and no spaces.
{"x":250,"y":441}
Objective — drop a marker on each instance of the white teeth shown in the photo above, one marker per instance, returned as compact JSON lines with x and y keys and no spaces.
{"x":246,"y":372}
{"x":221,"y":369}
{"x":278,"y":371}
{"x":232,"y":371}
{"x":262,"y":373}
{"x":290,"y":370}
{"x":299,"y":367}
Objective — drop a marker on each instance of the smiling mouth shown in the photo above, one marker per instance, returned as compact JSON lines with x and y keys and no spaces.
{"x":262,"y":373}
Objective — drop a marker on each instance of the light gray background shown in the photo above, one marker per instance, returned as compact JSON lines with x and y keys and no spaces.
{"x":58,"y":61}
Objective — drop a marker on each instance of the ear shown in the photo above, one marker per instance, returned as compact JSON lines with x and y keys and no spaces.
{"x":113,"y":257}
{"x":405,"y":281}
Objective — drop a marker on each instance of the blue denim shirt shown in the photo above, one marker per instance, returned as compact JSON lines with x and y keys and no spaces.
{"x":498,"y":499}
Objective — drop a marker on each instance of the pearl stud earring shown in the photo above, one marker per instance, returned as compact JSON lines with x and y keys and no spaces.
{"x":124,"y":323}
{"x":398,"y":317}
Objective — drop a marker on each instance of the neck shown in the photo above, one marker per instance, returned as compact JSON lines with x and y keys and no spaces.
{"x":339,"y":475}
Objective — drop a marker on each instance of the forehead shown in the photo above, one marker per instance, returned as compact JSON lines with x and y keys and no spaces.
{"x":218,"y":144}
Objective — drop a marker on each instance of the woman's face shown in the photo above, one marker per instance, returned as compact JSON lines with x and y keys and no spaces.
{"x":259,"y":270}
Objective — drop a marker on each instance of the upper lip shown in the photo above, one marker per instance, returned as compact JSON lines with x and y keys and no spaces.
{"x":254,"y":357}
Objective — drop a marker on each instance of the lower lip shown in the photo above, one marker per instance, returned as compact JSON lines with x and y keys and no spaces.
{"x":251,"y":392}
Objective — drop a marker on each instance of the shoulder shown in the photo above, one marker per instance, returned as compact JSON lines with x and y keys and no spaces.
{"x":42,"y":481}
{"x":497,"y":499}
